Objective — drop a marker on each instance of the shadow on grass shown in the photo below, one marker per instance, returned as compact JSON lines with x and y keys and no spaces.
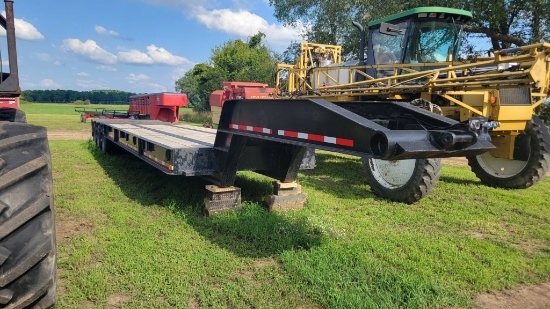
{"x":339,"y":176}
{"x":460,"y":181}
{"x":250,"y":232}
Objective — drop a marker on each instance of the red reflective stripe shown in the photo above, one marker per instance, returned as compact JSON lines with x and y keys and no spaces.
{"x":312,"y":137}
{"x":291,"y":134}
{"x":249,"y":128}
{"x":344,"y":142}
{"x":317,"y":138}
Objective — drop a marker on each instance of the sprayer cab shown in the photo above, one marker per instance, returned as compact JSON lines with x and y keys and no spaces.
{"x":421,"y":35}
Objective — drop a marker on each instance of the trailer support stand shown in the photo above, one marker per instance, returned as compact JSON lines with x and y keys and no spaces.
{"x":286,"y":196}
{"x":222,"y":199}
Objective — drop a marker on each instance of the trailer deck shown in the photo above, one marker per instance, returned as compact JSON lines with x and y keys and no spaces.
{"x":175,"y":149}
{"x":178,"y":149}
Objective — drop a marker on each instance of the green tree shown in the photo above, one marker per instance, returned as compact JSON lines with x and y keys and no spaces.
{"x":235,"y":60}
{"x":505,"y":22}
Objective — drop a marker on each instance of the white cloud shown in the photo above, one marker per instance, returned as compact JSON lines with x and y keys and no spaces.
{"x":134,"y":56}
{"x":106,"y":68}
{"x":143,"y":81}
{"x":23,"y":30}
{"x":48,"y":83}
{"x":137,"y":78}
{"x":154,"y":55}
{"x":82,"y":74}
{"x":245,"y":24}
{"x":101,"y":30}
{"x":88,"y":50}
{"x":26,"y":31}
{"x":161,"y":55}
{"x":239,"y":21}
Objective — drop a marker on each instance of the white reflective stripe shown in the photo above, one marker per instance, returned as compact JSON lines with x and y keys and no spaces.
{"x":249,"y":128}
{"x":281,"y":132}
{"x":302,"y":135}
{"x":330,"y":140}
{"x":265,"y":130}
{"x":234,"y":126}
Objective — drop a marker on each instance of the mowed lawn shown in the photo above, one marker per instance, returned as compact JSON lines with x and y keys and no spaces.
{"x":131,"y":237}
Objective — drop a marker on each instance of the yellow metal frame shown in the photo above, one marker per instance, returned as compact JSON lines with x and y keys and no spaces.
{"x":308,"y":79}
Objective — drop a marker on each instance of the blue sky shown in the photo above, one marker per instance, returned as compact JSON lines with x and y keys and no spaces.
{"x":131,"y":45}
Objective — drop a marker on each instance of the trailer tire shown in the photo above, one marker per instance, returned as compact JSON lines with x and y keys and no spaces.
{"x":405,"y":181}
{"x":27,"y":220}
{"x":517,"y":174}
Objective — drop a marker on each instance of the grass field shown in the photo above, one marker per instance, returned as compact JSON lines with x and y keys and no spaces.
{"x":57,"y":117}
{"x":132,"y":237}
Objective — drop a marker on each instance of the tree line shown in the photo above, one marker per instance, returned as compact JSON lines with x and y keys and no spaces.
{"x":69,"y":96}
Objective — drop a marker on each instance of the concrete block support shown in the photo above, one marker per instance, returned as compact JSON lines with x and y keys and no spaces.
{"x":285,"y":196}
{"x":222,"y":199}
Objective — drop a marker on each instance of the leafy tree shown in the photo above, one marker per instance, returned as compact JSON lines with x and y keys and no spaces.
{"x":235,"y":60}
{"x":505,"y":22}
{"x":329,"y":22}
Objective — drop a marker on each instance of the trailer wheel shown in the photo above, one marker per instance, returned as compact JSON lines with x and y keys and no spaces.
{"x":405,"y":181}
{"x":517,"y":174}
{"x":27,"y":222}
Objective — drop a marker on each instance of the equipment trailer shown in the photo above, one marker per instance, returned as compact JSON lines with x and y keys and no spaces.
{"x":271,"y":138}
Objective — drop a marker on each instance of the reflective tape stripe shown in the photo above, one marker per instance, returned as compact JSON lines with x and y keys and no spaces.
{"x":307,"y":136}
{"x":250,"y":128}
{"x":163,"y":163}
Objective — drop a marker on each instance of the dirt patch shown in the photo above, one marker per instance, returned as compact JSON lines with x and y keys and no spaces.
{"x":523,"y":297}
{"x":66,"y":229}
{"x":69,"y":135}
{"x":117,"y":300}
{"x":456,"y":161}
{"x":261,"y":263}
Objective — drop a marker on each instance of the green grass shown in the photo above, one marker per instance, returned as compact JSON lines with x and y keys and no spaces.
{"x":62,"y":117}
{"x":143,"y":236}
{"x":130,"y":236}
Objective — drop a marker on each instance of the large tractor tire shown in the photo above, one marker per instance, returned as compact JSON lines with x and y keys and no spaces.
{"x":27,"y":225}
{"x":518,"y":173}
{"x":405,"y":181}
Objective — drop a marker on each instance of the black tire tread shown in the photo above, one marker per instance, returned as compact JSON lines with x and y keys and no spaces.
{"x":27,"y":225}
{"x":536,"y":168}
{"x":421,"y":184}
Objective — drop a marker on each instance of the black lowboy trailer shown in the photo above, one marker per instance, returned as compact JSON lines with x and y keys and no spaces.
{"x":277,"y":137}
